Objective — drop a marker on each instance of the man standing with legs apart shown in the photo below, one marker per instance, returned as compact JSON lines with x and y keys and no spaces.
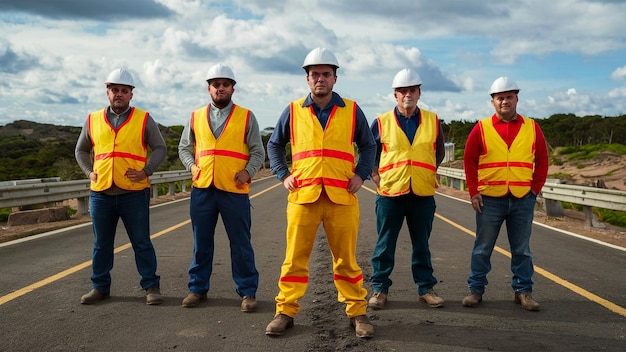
{"x":506,"y":165}
{"x":410,"y":148}
{"x":118,"y":136}
{"x":322,"y":129}
{"x":221,"y":146}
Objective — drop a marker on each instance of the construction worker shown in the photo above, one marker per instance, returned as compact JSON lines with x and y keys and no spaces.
{"x":221,"y":146}
{"x":410,"y":148}
{"x":322,"y":129}
{"x":506,"y":165}
{"x":118,"y":136}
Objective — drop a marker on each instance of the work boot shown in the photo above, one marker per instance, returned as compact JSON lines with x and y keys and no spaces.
{"x":526,"y":300}
{"x":431,"y":298}
{"x":94,"y":296}
{"x":472,"y":299}
{"x":153,"y":296}
{"x":193,"y":300}
{"x":278,"y":325}
{"x":362,"y":326}
{"x":378,"y":300}
{"x":248,"y":304}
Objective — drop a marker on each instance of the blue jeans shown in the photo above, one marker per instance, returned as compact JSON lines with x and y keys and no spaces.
{"x":390,"y":214}
{"x":134,"y":209}
{"x":206,"y":205}
{"x":518,"y":213}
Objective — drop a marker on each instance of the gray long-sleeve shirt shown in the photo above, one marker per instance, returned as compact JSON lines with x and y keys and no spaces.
{"x":152,"y":136}
{"x":217,"y":118}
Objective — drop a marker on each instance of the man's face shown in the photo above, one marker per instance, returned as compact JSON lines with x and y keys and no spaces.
{"x":321,"y":80}
{"x":407,"y":97}
{"x":221,"y":91}
{"x":119,"y":96}
{"x":505,"y":104}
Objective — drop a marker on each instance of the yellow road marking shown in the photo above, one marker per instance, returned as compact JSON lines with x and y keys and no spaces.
{"x":548,"y":275}
{"x":15,"y":294}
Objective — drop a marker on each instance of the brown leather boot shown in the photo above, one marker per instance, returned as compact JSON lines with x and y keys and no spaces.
{"x":472,"y":299}
{"x":362,"y":326}
{"x":432,"y":299}
{"x":153,"y":296}
{"x":279,"y":325}
{"x":248,"y":304}
{"x":94,"y":296}
{"x":193,"y":300}
{"x":526,"y":300}
{"x":378,"y":300}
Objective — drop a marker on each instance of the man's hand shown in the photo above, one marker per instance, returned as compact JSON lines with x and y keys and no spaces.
{"x":477,"y":202}
{"x":242,"y":177}
{"x":93,"y":176}
{"x":135,"y":176}
{"x":376,"y":179}
{"x":195,"y":171}
{"x":355,"y":184}
{"x":289,"y":182}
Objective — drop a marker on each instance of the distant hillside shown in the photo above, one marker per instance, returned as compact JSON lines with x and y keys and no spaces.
{"x":45,"y":132}
{"x":37,"y":150}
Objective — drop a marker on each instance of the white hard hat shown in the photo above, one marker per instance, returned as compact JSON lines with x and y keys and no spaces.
{"x":120,"y":76}
{"x":503,"y":84}
{"x":220,"y":71}
{"x":406,"y":78}
{"x":320,"y":56}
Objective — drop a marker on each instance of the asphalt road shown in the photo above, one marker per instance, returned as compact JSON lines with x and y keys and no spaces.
{"x":581,"y":286}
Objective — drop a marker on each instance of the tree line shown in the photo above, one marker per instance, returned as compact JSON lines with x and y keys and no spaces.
{"x":48,"y":150}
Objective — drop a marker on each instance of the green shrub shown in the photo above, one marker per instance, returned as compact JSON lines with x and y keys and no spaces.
{"x":4,"y":214}
{"x":613,"y":217}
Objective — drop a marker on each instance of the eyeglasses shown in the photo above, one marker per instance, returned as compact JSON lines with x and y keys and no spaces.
{"x":407,"y":90}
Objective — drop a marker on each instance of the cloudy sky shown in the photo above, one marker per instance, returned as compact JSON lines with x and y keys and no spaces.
{"x":567,"y":56}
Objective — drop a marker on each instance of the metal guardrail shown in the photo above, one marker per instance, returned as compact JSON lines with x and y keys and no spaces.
{"x":49,"y":192}
{"x":39,"y":192}
{"x":554,"y":193}
{"x":588,"y":196}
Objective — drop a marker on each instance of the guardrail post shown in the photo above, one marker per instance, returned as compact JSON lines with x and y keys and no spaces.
{"x":553,"y":208}
{"x":155,"y":191}
{"x":83,"y":205}
{"x":590,"y":218}
{"x":171,"y":188}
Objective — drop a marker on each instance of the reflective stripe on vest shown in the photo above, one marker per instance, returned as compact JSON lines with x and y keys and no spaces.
{"x":403,"y":166}
{"x":502,"y":169}
{"x":322,"y":158}
{"x":116,"y":151}
{"x":220,"y":159}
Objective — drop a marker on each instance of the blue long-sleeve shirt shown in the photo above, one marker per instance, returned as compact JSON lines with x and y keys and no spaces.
{"x":282,"y":135}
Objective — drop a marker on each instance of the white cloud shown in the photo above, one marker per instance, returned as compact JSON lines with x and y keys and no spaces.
{"x":619,"y":74}
{"x":52,"y":67}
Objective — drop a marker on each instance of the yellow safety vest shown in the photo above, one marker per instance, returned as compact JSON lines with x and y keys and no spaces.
{"x":116,"y":151}
{"x":322,"y":158}
{"x":220,"y":159}
{"x":403,"y":166}
{"x":502,"y":169}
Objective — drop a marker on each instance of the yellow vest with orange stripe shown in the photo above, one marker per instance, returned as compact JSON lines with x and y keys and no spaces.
{"x":116,"y":151}
{"x":322,"y":158}
{"x":502,"y":169}
{"x":221,"y":158}
{"x":403,"y":166}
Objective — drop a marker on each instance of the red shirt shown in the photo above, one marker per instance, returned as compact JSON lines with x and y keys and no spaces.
{"x":508,"y":131}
